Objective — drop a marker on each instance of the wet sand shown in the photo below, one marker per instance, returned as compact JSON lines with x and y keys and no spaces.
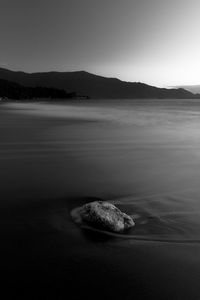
{"x":143,"y":156}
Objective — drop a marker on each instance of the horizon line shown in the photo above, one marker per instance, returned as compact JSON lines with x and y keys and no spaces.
{"x":103,"y":76}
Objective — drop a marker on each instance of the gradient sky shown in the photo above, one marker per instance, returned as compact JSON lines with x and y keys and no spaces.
{"x":153,"y":41}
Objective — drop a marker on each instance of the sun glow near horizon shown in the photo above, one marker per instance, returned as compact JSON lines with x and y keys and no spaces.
{"x":151,"y":41}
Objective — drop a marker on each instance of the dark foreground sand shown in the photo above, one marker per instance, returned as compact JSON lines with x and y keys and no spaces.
{"x":143,"y":156}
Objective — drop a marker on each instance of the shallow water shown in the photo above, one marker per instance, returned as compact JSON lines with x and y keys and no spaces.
{"x":142,"y":155}
{"x":147,"y":155}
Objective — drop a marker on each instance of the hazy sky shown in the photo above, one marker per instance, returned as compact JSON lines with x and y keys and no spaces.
{"x":153,"y":41}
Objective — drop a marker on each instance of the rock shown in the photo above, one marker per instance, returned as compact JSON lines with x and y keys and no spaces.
{"x":105,"y":215}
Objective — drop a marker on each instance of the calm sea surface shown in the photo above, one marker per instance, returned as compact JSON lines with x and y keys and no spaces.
{"x":142,"y":155}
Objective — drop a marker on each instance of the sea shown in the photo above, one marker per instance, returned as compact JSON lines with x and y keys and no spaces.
{"x":143,"y":155}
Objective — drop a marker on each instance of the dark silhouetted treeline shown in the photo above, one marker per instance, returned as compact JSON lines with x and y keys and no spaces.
{"x":12,"y":90}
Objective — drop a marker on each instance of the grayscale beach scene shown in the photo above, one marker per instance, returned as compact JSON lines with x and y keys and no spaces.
{"x":100,"y":150}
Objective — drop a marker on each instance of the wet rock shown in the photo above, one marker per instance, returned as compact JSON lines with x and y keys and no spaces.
{"x":105,"y":216}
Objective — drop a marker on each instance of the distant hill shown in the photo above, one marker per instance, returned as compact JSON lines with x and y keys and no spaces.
{"x":191,"y":88}
{"x":92,"y":85}
{"x":12,"y":90}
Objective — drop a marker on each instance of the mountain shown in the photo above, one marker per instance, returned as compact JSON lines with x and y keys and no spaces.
{"x":92,"y":85}
{"x":12,"y":90}
{"x":191,"y":88}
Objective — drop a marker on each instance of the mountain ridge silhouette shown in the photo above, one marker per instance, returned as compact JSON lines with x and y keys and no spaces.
{"x":94,"y":86}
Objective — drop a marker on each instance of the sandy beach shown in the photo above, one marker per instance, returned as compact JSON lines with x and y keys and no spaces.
{"x":143,"y":156}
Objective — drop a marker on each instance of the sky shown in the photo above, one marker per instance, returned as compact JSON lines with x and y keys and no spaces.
{"x":151,"y":41}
